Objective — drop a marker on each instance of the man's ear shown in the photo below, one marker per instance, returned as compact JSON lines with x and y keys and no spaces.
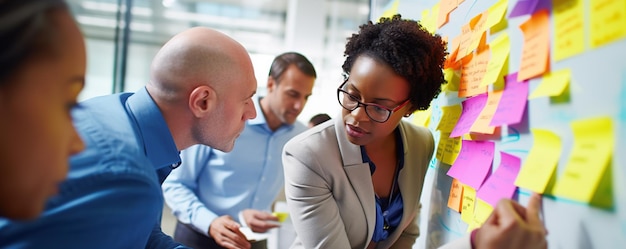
{"x":271,"y":83}
{"x":202,"y":100}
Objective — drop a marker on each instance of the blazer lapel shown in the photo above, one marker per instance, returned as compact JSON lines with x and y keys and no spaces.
{"x":359,"y":175}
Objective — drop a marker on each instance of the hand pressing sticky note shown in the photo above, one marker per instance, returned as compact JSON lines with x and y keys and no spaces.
{"x":282,"y":216}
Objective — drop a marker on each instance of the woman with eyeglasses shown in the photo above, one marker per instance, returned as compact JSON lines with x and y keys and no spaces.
{"x":356,"y":182}
{"x":42,"y":71}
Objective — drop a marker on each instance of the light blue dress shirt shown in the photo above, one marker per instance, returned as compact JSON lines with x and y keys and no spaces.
{"x":112,"y":197}
{"x":211,"y":183}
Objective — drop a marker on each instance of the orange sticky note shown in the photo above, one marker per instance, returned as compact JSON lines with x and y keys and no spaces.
{"x":445,"y":7}
{"x":467,"y":209}
{"x":456,"y":193}
{"x":465,"y":41}
{"x":451,"y":61}
{"x":472,"y":75}
{"x":536,"y":48}
{"x":479,"y":26}
{"x":481,"y":125}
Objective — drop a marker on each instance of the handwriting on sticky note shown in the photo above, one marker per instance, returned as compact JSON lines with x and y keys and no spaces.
{"x":473,"y":164}
{"x":448,"y":148}
{"x":465,"y":41}
{"x":552,"y":84}
{"x":467,"y":209}
{"x":536,"y":48}
{"x":472,"y":75}
{"x":512,"y":103}
{"x":607,"y":21}
{"x":450,"y":115}
{"x":569,"y":35}
{"x":541,"y":162}
{"x":472,"y":107}
{"x":481,"y":125}
{"x":593,"y":145}
{"x":456,"y":195}
{"x":500,"y":184}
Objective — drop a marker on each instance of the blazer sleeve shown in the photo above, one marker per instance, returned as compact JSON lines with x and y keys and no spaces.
{"x":313,"y":209}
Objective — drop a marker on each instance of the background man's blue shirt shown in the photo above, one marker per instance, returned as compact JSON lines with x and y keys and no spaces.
{"x":211,"y":183}
{"x":112,"y":197}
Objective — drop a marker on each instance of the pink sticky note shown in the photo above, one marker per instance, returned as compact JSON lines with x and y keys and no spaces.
{"x":473,"y":164}
{"x":472,"y":107}
{"x":512,"y":103}
{"x":501,"y":185}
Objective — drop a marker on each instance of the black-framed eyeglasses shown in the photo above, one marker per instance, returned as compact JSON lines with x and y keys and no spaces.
{"x":375,"y":112}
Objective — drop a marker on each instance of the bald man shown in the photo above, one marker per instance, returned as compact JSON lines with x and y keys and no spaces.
{"x":200,"y":92}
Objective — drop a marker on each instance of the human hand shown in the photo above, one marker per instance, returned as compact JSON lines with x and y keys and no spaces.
{"x":259,"y":221}
{"x":513,"y":226}
{"x":225,"y":231}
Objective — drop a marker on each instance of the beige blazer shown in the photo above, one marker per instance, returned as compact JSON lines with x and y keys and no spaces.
{"x":329,"y":189}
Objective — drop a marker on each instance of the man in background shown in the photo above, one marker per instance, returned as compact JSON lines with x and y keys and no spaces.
{"x":214,"y":188}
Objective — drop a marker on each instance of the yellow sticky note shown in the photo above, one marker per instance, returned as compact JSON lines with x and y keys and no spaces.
{"x":456,"y":195}
{"x":482,"y":210}
{"x":391,"y":10}
{"x":282,"y":216}
{"x":569,"y":35}
{"x":450,"y":115}
{"x":429,"y":18}
{"x":448,"y":148}
{"x":552,"y":84}
{"x":469,"y":197}
{"x":500,"y":49}
{"x":588,"y":161}
{"x":453,"y":79}
{"x":422,"y":118}
{"x":496,"y":13}
{"x":608,"y":18}
{"x":481,"y":125}
{"x":541,"y":162}
{"x":536,"y":48}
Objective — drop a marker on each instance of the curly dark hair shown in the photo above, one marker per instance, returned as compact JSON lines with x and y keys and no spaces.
{"x":414,"y":53}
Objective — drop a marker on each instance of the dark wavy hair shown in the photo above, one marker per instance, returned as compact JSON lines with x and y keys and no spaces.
{"x":406,"y":46}
{"x":26,"y":30}
{"x":283,"y":61}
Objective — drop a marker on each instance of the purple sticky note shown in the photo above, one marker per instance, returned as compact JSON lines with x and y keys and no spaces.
{"x":513,"y":102}
{"x":471,"y":110}
{"x":501,"y":185}
{"x":473,"y":164}
{"x":524,"y":7}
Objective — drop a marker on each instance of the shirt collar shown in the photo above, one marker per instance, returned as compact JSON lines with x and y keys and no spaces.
{"x":157,"y":139}
{"x":260,"y":117}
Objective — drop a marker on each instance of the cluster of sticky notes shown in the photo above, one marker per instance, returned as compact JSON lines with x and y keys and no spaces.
{"x":491,"y":97}
{"x":587,"y":177}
